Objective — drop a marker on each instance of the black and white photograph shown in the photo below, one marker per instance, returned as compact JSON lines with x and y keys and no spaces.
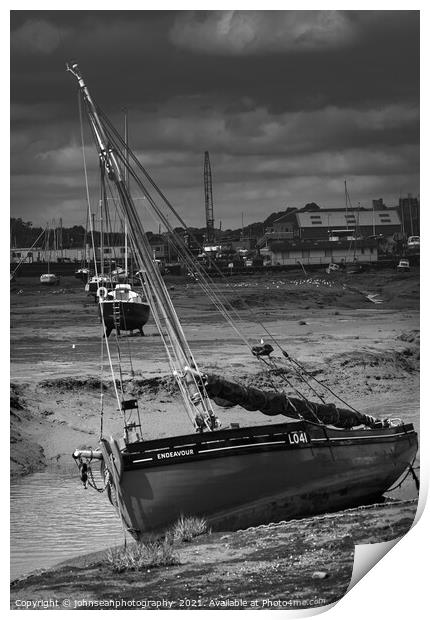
{"x":214,"y":304}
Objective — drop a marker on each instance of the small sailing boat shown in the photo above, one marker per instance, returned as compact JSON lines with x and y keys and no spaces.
{"x":120,"y":307}
{"x":83,"y":273}
{"x":97,"y":281}
{"x":325,"y":457}
{"x":48,"y":278}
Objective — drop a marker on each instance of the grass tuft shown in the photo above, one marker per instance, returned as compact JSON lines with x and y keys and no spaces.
{"x":187,"y":528}
{"x":159,"y":551}
{"x":142,"y":556}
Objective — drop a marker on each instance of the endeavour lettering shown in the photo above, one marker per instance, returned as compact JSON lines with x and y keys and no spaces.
{"x":170,"y":455}
{"x":297,"y":437}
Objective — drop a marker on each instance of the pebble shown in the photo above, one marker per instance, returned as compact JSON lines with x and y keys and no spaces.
{"x":319,"y":574}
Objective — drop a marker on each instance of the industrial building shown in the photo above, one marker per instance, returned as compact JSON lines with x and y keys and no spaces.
{"x":308,"y":252}
{"x":335,"y":224}
{"x":314,"y":236}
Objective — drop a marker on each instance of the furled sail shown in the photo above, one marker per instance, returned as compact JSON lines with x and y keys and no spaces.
{"x":227,"y":393}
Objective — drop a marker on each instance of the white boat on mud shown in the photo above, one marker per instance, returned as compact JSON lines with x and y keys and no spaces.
{"x":95,"y":282}
{"x":326,"y":455}
{"x":49,"y":279}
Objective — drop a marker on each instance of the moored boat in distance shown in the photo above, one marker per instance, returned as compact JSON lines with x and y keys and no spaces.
{"x":49,"y":279}
{"x":82,"y":274}
{"x":95,"y":282}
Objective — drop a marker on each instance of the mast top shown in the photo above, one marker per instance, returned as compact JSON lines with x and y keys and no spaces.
{"x":73,"y":67}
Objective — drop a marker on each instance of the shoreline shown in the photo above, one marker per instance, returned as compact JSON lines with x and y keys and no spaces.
{"x":297,"y":560}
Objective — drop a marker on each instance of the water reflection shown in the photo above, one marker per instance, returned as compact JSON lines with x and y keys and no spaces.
{"x":53,"y":518}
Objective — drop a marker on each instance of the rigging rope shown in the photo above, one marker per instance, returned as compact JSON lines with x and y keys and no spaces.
{"x":214,"y":294}
{"x":24,"y":257}
{"x":101,"y":389}
{"x":108,"y":140}
{"x":94,"y":249}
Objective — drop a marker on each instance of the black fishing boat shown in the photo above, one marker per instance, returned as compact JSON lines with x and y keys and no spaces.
{"x":241,"y":477}
{"x":122,"y":308}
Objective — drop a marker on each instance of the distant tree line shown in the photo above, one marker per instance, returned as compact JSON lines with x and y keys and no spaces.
{"x":23,"y":234}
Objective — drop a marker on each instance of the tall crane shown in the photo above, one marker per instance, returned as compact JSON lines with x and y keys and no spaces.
{"x":209,"y":201}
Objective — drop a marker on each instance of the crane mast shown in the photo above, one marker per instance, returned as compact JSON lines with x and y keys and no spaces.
{"x":209,"y":202}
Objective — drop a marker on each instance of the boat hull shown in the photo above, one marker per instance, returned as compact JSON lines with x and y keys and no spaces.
{"x":82,"y":274}
{"x":258,"y":475}
{"x":129,"y":315}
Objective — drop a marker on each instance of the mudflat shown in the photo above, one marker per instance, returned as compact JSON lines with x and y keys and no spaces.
{"x":367,"y":352}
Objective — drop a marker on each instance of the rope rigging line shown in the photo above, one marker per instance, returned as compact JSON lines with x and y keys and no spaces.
{"x":24,"y":257}
{"x":115,"y":135}
{"x":94,"y":251}
{"x":116,"y":207}
{"x":205,"y":282}
{"x":130,"y":153}
{"x":159,"y":291}
{"x":205,"y":285}
{"x":145,"y":259}
{"x":110,"y":153}
{"x":101,"y":389}
{"x":409,"y":471}
{"x":297,"y":391}
{"x":105,"y":214}
{"x":84,"y":258}
{"x":223,"y":311}
{"x":109,"y":224}
{"x":87,"y":190}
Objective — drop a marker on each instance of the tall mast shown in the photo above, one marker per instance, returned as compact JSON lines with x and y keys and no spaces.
{"x":61,"y":237}
{"x":346,"y":205}
{"x":102,"y":249}
{"x":126,"y":180}
{"x":168,"y":324}
{"x":47,"y":245}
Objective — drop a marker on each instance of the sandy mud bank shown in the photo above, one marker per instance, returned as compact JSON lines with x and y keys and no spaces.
{"x":292,"y":565}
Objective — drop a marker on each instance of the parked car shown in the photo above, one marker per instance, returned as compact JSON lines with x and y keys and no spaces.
{"x":413,"y":243}
{"x":403,"y":265}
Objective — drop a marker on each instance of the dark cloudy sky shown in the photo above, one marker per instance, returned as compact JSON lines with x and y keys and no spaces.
{"x":288,"y":103}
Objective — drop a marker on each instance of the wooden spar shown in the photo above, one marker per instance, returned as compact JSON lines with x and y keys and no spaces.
{"x":88,"y":454}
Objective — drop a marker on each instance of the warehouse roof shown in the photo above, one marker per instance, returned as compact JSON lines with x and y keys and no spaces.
{"x":347,"y":219}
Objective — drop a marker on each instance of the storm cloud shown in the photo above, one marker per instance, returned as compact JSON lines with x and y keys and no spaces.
{"x":288,"y":103}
